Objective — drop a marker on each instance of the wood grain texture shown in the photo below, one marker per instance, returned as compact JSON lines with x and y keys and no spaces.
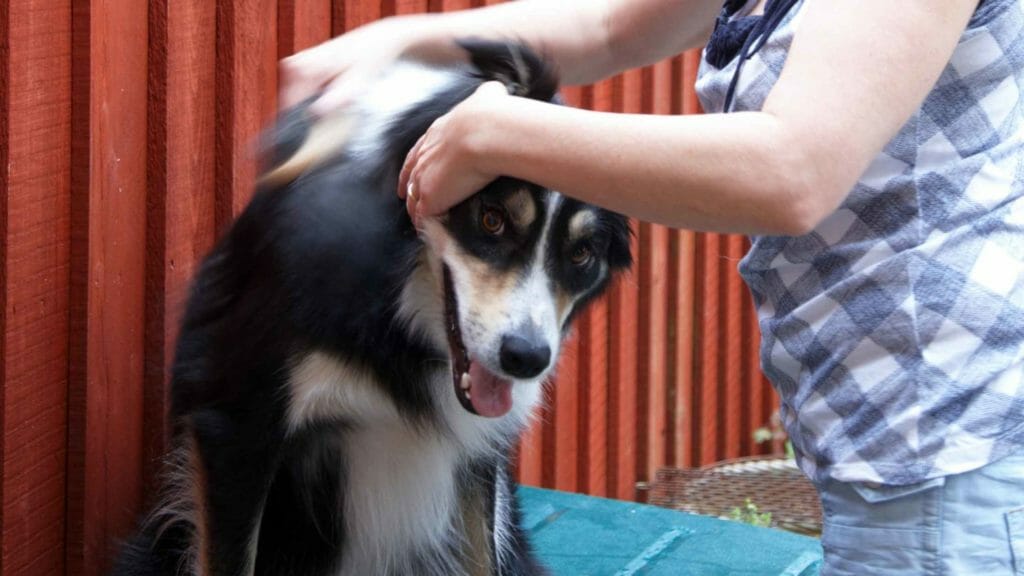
{"x":108,"y":267}
{"x":450,"y":5}
{"x":246,"y":96}
{"x":593,"y":387}
{"x":411,"y":6}
{"x":731,"y":413}
{"x":682,"y":315}
{"x":35,"y":187}
{"x":302,"y":24}
{"x":181,"y":201}
{"x":565,"y":416}
{"x":349,"y":14}
{"x":708,"y":366}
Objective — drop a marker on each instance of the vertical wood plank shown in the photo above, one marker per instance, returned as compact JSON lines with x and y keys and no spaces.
{"x":355,"y":13}
{"x":566,"y":417}
{"x":731,"y":417}
{"x":181,"y":203}
{"x":548,"y":440}
{"x":683,"y":315}
{"x":707,"y":363}
{"x":108,"y":284}
{"x":654,"y":335}
{"x":411,"y":6}
{"x":623,"y":428}
{"x":302,"y":24}
{"x":593,"y":385}
{"x":530,"y":461}
{"x":752,"y":379}
{"x":35,"y":143}
{"x":450,"y":5}
{"x":246,"y":96}
{"x":599,"y":467}
{"x":691,"y":63}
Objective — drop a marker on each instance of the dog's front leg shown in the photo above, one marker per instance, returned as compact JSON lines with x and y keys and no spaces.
{"x":239,"y":452}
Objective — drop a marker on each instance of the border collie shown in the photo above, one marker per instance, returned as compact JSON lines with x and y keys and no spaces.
{"x":346,"y":391}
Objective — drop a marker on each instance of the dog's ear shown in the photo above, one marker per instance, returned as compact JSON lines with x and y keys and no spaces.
{"x":619,"y":255}
{"x":515,"y":65}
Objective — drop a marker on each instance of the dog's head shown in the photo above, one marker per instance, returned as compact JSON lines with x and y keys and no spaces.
{"x":515,"y":263}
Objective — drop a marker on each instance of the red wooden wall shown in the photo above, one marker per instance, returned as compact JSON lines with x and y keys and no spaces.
{"x":125,"y":133}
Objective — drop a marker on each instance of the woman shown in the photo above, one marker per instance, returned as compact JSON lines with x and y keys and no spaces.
{"x":876,"y":154}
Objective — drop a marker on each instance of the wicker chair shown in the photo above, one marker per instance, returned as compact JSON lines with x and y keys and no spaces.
{"x":773,"y":484}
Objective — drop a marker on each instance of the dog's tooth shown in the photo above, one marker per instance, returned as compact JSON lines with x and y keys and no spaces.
{"x":465,"y":382}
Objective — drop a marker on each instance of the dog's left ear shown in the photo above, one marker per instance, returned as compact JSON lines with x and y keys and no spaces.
{"x":619,"y":254}
{"x":515,"y":65}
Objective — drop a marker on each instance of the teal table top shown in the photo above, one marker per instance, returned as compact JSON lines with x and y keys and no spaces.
{"x":577,"y":535}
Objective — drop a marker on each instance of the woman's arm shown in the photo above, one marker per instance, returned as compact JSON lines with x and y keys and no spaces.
{"x":855,"y":74}
{"x":587,"y":40}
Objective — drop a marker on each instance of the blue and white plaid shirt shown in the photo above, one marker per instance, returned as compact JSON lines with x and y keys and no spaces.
{"x":894,"y":332}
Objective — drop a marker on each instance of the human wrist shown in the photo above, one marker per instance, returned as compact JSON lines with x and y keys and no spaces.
{"x":425,"y":37}
{"x":488,"y":136}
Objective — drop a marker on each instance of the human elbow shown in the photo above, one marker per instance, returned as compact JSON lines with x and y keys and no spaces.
{"x":803,"y":213}
{"x":798,"y":200}
{"x":805,"y":183}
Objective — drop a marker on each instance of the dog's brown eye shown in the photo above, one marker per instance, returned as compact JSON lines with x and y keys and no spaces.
{"x":581,"y":255}
{"x":493,"y":222}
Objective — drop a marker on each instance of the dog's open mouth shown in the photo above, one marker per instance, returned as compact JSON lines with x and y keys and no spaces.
{"x":478,"y":390}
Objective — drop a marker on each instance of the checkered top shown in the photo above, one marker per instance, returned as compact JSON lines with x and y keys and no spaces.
{"x":894,"y":332}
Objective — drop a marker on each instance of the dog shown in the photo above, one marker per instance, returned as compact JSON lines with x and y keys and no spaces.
{"x":346,"y":389}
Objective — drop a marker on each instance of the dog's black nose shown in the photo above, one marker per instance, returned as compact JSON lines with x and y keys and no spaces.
{"x":522,"y":358}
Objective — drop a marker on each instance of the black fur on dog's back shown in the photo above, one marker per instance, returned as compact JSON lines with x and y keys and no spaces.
{"x":315,"y":262}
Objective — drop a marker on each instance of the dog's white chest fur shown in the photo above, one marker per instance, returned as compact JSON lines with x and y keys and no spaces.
{"x":400,"y":490}
{"x":400,"y":496}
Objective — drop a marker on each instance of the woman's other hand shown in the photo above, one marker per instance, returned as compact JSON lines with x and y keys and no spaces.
{"x":447,"y":165}
{"x":340,"y":69}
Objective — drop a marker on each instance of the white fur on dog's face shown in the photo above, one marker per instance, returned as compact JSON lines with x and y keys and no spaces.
{"x":494,"y":303}
{"x":521,"y":291}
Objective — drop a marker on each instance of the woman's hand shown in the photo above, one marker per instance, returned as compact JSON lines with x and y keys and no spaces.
{"x":447,"y":164}
{"x":343,"y":67}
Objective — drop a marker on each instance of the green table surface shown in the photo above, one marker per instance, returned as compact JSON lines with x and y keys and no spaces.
{"x":577,"y":535}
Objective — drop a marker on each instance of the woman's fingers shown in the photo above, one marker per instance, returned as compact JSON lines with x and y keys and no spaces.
{"x":404,"y":175}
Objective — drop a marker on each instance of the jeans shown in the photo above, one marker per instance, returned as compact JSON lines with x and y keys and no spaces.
{"x":969,"y":524}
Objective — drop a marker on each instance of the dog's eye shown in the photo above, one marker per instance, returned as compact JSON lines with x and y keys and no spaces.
{"x":581,"y":255}
{"x":492,"y":221}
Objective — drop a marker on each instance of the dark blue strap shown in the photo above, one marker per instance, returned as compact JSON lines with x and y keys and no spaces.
{"x":775,"y":11}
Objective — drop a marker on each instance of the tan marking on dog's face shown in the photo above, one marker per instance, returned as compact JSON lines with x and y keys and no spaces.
{"x":581,"y":225}
{"x":485,"y":299}
{"x":521,"y":209}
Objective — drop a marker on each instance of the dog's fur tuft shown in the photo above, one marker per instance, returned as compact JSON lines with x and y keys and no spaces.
{"x":522,"y":71}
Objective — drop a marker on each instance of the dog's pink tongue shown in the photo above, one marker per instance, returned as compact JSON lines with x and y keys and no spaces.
{"x":491,"y":396}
